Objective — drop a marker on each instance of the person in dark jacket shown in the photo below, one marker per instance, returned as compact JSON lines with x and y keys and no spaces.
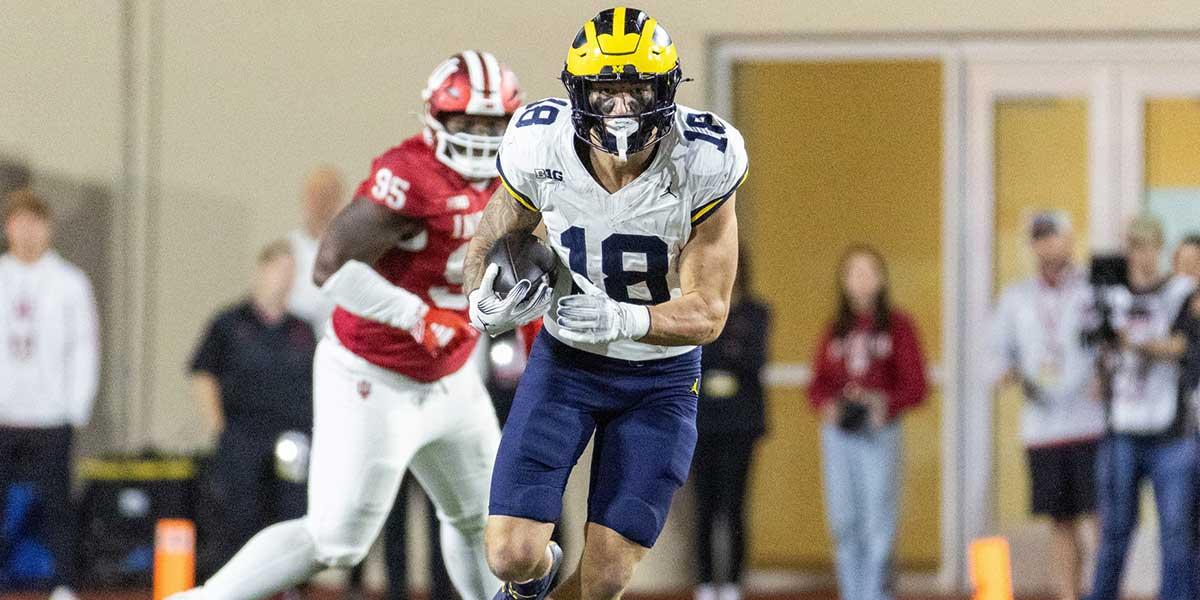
{"x":730,"y":419}
{"x":252,"y":376}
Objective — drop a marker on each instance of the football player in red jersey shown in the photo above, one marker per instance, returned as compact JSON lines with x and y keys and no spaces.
{"x":390,"y":390}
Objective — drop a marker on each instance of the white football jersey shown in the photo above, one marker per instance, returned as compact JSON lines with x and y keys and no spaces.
{"x":626,"y":244}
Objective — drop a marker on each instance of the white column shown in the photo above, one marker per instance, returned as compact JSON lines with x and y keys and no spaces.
{"x":134,"y":221}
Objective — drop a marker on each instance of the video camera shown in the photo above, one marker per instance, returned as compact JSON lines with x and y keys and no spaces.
{"x":1106,"y":271}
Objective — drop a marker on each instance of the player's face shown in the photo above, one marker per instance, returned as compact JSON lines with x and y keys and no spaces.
{"x":862,"y":280}
{"x":28,"y":234}
{"x":475,"y":124}
{"x":619,"y":98}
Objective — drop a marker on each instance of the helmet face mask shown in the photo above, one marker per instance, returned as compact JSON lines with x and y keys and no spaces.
{"x":621,"y":75}
{"x":625,"y":132}
{"x":468,"y":143}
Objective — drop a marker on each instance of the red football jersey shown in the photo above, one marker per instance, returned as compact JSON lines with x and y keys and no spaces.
{"x":410,"y":180}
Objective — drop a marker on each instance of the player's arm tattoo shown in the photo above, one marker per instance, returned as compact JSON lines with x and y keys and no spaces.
{"x":707,"y":266}
{"x":363,"y":231}
{"x":501,"y":216}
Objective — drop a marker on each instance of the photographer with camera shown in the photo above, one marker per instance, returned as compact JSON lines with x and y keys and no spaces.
{"x":1038,"y":343}
{"x":868,"y":370}
{"x":1149,"y":432}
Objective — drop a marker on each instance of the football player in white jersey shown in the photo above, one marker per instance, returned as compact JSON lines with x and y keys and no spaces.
{"x":636,"y":195}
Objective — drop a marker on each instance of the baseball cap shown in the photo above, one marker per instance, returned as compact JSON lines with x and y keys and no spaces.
{"x":1048,"y":223}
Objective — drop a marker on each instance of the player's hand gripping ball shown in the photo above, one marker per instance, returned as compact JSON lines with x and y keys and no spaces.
{"x":517,"y":285}
{"x":520,"y":255}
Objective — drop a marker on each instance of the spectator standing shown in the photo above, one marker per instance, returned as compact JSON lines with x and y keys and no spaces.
{"x":730,"y":420}
{"x":868,"y":371}
{"x":252,"y":375}
{"x":1148,"y":429}
{"x":49,"y":369}
{"x":1038,"y":342}
{"x":323,"y":196}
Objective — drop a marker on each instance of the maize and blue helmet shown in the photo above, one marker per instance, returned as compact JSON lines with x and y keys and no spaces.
{"x":622,"y":45}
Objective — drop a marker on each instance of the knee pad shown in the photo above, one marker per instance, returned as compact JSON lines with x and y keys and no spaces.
{"x":632,"y":517}
{"x":470,"y":526}
{"x":339,"y":544}
{"x":344,"y":526}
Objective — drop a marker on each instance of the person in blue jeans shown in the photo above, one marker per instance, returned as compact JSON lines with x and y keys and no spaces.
{"x":868,"y":371}
{"x":1149,"y":429}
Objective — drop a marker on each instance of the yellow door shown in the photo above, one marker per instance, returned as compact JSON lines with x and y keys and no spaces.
{"x":841,"y":152}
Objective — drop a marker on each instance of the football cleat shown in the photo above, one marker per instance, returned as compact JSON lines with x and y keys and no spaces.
{"x":537,"y":589}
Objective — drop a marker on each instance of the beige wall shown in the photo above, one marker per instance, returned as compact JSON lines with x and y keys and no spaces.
{"x":60,"y":86}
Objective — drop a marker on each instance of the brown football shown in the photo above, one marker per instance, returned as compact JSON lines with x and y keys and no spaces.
{"x":521,"y":255}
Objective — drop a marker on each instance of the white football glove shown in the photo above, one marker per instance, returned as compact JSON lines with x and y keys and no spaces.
{"x":598,"y":319}
{"x":494,"y":315}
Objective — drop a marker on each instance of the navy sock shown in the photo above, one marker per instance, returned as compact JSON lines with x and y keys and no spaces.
{"x":529,"y":588}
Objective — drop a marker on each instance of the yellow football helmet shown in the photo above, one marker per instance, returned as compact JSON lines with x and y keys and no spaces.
{"x":622,"y":45}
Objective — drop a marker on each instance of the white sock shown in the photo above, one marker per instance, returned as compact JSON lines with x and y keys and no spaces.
{"x":706,"y":592}
{"x":466,"y":562}
{"x":279,"y":557}
{"x":729,"y":591}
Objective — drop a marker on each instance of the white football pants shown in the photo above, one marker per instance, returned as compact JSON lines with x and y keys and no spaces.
{"x":370,"y":425}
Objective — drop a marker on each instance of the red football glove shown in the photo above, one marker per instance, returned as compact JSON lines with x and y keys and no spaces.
{"x":441,"y":331}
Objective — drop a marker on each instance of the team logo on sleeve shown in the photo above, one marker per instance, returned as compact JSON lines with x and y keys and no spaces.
{"x":548,"y":174}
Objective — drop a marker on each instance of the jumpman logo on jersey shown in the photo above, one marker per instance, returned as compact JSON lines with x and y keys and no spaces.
{"x":696,"y":386}
{"x":671,"y":191}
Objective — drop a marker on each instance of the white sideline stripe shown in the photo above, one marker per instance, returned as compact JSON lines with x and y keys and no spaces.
{"x":794,"y":375}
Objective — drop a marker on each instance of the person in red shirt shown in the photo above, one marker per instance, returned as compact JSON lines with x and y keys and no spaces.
{"x":868,"y":370}
{"x":390,"y":390}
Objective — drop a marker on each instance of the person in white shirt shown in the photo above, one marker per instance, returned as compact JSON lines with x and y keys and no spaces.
{"x":1037,"y":337}
{"x":1150,"y":436}
{"x":324,"y":196}
{"x":49,"y":366}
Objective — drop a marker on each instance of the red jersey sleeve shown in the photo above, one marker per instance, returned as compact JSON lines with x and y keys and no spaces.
{"x":909,"y":384}
{"x":827,"y":380}
{"x":395,"y":182}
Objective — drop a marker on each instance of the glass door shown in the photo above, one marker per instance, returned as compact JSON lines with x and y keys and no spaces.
{"x":1035,"y":141}
{"x":1160,"y":124}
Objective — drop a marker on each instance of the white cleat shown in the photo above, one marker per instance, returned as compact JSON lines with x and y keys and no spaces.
{"x":63,"y":592}
{"x":705,"y":592}
{"x":196,"y":593}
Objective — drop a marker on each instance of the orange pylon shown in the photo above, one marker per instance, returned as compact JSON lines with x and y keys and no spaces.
{"x":991,"y":569}
{"x":174,"y":557}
